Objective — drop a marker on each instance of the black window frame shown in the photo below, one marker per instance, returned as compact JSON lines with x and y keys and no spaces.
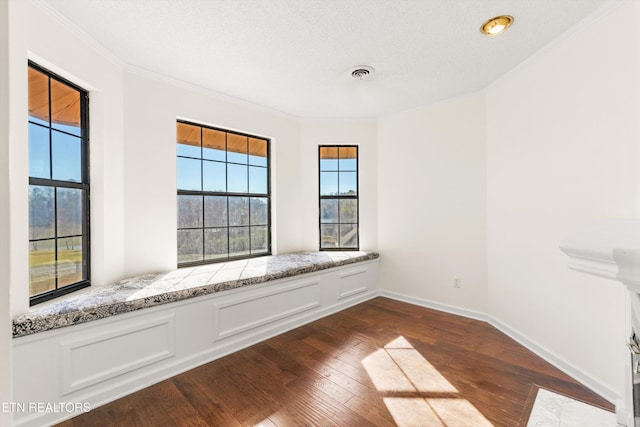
{"x":54,"y":183}
{"x":339,"y":197}
{"x":227,"y":194}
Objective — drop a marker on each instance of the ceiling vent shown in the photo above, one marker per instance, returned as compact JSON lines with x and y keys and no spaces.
{"x":362,"y":72}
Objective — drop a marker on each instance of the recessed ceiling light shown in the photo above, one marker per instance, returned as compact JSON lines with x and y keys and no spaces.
{"x":496,"y":25}
{"x":362,"y":72}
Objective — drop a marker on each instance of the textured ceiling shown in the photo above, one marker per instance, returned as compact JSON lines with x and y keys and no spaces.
{"x":296,"y":56}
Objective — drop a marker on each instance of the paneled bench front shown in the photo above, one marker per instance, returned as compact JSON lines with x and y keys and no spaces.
{"x":104,"y":343}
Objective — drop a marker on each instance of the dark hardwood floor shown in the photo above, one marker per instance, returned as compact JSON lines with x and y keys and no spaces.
{"x":380,"y":363}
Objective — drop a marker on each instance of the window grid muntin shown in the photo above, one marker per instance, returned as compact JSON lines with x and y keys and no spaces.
{"x":339,"y":197}
{"x":83,"y":185}
{"x":228,"y":195}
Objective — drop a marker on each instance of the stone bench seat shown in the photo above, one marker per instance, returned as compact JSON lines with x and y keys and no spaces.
{"x":136,"y":293}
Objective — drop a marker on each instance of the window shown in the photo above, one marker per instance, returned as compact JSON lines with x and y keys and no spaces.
{"x":223,"y":195}
{"x":58,"y":186}
{"x":339,"y":197}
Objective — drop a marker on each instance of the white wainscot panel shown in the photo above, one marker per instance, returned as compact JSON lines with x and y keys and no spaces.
{"x":239,"y":315}
{"x":352,"y":282}
{"x":97,"y":362}
{"x":89,"y":361}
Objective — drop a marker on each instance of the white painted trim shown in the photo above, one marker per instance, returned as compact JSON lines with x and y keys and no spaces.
{"x":218,"y":308}
{"x":225,"y":349}
{"x":435,"y":104}
{"x":70,"y":384}
{"x":135,"y":380}
{"x":164,"y":372}
{"x":464,"y":312}
{"x":116,"y":60}
{"x":602,"y":11}
{"x":342,"y":294}
{"x":6,"y":362}
{"x":193,"y":347}
{"x":79,"y":33}
{"x":351,"y":273}
{"x":315,"y":120}
{"x":557,"y":361}
{"x":352,"y":292}
{"x":607,"y":248}
{"x":546,"y":354}
{"x":181,"y":84}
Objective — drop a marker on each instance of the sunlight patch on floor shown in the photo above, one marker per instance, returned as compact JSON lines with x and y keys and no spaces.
{"x":385,"y":373}
{"x":409,"y":412}
{"x":420,"y":372}
{"x":399,"y":368}
{"x":265,"y":423}
{"x":458,"y":412}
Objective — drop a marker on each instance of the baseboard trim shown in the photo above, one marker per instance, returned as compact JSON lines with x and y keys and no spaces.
{"x":135,"y":382}
{"x":549,"y":356}
{"x":464,"y":312}
{"x":557,"y":361}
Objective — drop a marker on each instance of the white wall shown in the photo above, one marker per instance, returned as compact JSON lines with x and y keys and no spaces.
{"x":431,"y":203}
{"x":5,"y":247}
{"x":34,"y":35}
{"x":561,"y":144}
{"x":339,"y":132}
{"x":151,"y":108}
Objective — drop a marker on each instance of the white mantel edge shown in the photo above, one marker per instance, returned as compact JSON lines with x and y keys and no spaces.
{"x":611,"y":249}
{"x":622,"y":264}
{"x":607,"y":248}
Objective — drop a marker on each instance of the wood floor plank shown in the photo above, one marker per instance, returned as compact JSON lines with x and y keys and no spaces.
{"x":148,"y":410}
{"x":372,"y":410}
{"x":117,"y":413}
{"x":250,"y":403}
{"x":211,"y":408}
{"x":373,"y":364}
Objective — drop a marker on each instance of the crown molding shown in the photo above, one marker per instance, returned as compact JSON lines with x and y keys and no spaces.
{"x":78,"y":32}
{"x":476,"y":94}
{"x":181,"y":84}
{"x":46,"y":7}
{"x":604,"y":10}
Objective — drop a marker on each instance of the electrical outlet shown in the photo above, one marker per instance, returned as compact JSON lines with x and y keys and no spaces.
{"x":456,"y":282}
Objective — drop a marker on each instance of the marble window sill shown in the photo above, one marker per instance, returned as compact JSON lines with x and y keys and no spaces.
{"x":99,"y":302}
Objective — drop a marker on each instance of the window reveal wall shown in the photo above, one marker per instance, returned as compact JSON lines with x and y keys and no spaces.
{"x":223,"y":195}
